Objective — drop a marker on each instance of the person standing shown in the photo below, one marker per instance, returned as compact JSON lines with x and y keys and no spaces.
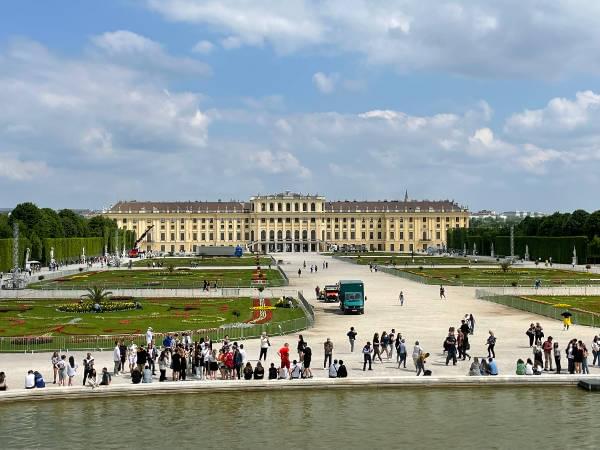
{"x":417,"y":350}
{"x":450,"y":346}
{"x":547,"y":348}
{"x":328,"y":349}
{"x":491,"y":343}
{"x":71,"y":370}
{"x":556,"y":352}
{"x":367,"y":351}
{"x":531,"y":334}
{"x":307,"y":358}
{"x":149,"y":336}
{"x":401,"y":298}
{"x":351,"y":338}
{"x":471,"y":323}
{"x":88,"y":366}
{"x":54,"y":361}
{"x":442,"y":292}
{"x":264,"y":346}
{"x":299,"y":272}
{"x":117,"y":359}
{"x":284,"y":355}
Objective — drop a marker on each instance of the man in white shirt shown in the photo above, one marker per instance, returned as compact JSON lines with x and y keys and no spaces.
{"x":264,"y":346}
{"x":117,"y":359}
{"x":149,"y":335}
{"x":333,"y":369}
{"x":29,"y":380}
{"x":243,"y":353}
{"x":295,"y":371}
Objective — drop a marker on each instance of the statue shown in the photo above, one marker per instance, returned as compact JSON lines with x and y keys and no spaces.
{"x":474,"y":249}
{"x":574,"y":261}
{"x":27,"y":254}
{"x":465,"y":249}
{"x":105,"y":250}
{"x":83,"y":255}
{"x":52,"y":255}
{"x":492,"y":251}
{"x":526,"y":252}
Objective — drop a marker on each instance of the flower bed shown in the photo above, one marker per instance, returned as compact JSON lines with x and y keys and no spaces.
{"x":90,"y":307}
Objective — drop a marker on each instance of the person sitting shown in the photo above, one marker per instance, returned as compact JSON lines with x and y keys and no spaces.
{"x":538,"y":368}
{"x":272,"y":372}
{"x":136,"y":376}
{"x":283,"y":373}
{"x":92,"y":378}
{"x":147,"y":375}
{"x":259,"y":371}
{"x":483,"y":366}
{"x":248,"y":371}
{"x":295,"y":371}
{"x":492,"y":367}
{"x":342,"y":372}
{"x":333,"y":369}
{"x":39,"y":380}
{"x":529,"y":367}
{"x":106,"y":377}
{"x":475,"y":369}
{"x":29,"y":380}
{"x":2,"y":381}
{"x":521,"y":369}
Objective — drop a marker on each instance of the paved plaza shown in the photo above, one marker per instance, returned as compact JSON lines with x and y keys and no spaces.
{"x":424,"y":317}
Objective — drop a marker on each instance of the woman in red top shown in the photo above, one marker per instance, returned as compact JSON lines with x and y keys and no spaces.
{"x":284,"y":354}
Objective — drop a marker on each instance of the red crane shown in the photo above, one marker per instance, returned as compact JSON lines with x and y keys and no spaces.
{"x":135,"y":251}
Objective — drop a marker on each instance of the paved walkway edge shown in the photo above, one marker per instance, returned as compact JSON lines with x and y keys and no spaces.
{"x":195,"y":386}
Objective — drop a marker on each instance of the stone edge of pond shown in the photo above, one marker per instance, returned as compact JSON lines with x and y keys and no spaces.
{"x":196,"y":386}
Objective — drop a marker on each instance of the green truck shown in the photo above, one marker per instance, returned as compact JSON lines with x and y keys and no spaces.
{"x":352,"y":296}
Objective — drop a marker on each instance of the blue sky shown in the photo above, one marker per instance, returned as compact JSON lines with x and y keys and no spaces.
{"x":495,"y":105}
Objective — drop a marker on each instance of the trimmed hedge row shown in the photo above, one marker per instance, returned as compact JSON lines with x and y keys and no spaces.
{"x":6,"y":253}
{"x":560,"y":249}
{"x":70,"y":248}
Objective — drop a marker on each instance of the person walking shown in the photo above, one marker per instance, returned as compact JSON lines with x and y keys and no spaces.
{"x":531,"y":334}
{"x":465,"y":347}
{"x":401,"y":298}
{"x":351,"y":338}
{"x":328,"y":349}
{"x":376,"y":348}
{"x":299,"y":272}
{"x":306,"y":361}
{"x":538,"y":333}
{"x":471,"y":322}
{"x":442,"y":292}
{"x":401,"y":352}
{"x":367,"y":351}
{"x":491,"y":343}
{"x":284,"y":355}
{"x":450,"y":347}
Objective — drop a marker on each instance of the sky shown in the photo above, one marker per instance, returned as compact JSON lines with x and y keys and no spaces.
{"x":495,"y":105}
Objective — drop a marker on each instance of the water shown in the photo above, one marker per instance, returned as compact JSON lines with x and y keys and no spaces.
{"x":427,"y":418}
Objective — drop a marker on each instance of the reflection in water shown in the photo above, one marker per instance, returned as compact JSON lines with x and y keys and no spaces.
{"x":363,"y":418}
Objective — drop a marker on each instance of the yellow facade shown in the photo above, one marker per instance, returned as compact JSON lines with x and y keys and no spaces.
{"x":291,"y":222}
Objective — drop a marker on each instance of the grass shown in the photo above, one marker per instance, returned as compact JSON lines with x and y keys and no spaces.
{"x":205,"y":262}
{"x":159,"y":278}
{"x":496,"y":277}
{"x":402,"y":260}
{"x":589,"y":303}
{"x":42,"y":318}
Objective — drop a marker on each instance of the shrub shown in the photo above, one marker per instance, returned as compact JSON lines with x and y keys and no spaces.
{"x":89,"y":307}
{"x":41,"y":277}
{"x":420,"y":267}
{"x":588,"y":266}
{"x":505,"y":265}
{"x":81,"y":269}
{"x":457,"y":275}
{"x":513,"y":284}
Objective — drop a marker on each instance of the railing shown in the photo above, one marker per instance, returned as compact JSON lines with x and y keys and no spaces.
{"x":240,"y":331}
{"x":539,"y":307}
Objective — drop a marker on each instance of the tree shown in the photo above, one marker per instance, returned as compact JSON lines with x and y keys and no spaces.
{"x":50,"y":225}
{"x":26,"y":214}
{"x":73,"y":224}
{"x":574,"y":225}
{"x":96,"y":294}
{"x":5,"y":229}
{"x":592,"y":225}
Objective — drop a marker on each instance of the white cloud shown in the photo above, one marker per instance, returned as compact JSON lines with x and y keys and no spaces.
{"x":17,"y":170}
{"x":130,"y":48}
{"x":203,"y":47}
{"x":277,"y":163}
{"x":504,"y":38}
{"x":325,"y":83}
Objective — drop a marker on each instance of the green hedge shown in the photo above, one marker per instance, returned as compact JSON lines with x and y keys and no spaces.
{"x":70,"y":248}
{"x":6,"y":253}
{"x":560,"y":249}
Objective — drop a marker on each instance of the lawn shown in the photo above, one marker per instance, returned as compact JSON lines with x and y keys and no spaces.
{"x":43,"y":318}
{"x":159,"y":278}
{"x":496,"y":277}
{"x":422,"y":260}
{"x":207,"y":261}
{"x":590,"y":303}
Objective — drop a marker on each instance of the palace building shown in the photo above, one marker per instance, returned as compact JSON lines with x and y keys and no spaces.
{"x":291,"y":222}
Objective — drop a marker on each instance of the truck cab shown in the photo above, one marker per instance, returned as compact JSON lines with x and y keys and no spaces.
{"x":352,"y":296}
{"x":331,"y":293}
